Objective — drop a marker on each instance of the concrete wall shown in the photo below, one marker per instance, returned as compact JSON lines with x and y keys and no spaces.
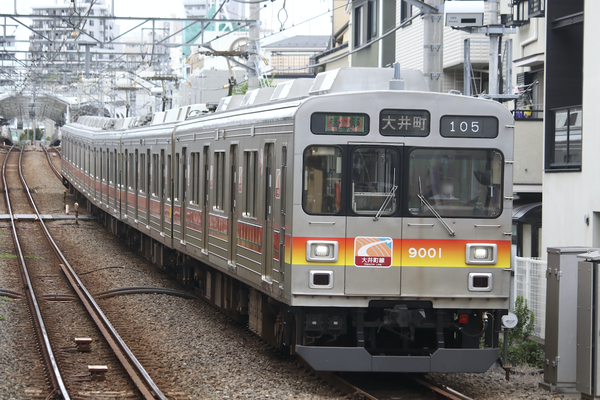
{"x":529,"y":152}
{"x":571,"y":196}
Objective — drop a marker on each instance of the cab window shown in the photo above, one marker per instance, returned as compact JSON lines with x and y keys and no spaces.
{"x":322,"y":180}
{"x":455,"y":182}
{"x":375,"y":175}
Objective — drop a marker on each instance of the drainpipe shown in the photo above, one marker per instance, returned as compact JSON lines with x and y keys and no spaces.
{"x":531,"y":39}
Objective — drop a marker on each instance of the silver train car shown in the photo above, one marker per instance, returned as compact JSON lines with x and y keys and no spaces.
{"x":363,"y":228}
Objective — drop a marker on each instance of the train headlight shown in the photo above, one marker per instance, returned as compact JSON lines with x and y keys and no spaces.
{"x":481,"y":253}
{"x":321,"y":251}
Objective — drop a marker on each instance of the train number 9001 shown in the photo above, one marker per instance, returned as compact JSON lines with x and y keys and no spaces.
{"x":425,"y":253}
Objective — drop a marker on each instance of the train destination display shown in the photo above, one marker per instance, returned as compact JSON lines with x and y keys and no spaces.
{"x":404,"y":122}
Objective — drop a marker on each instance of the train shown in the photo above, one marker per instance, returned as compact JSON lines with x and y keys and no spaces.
{"x":354,"y":219}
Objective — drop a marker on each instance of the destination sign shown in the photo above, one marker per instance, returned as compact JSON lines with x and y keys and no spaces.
{"x":339,"y":123}
{"x":404,"y":122}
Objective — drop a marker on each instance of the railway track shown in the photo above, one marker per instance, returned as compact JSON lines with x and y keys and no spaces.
{"x":378,"y":386}
{"x":52,"y":166}
{"x":64,"y":327}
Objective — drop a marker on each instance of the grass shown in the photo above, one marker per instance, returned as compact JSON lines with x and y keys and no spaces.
{"x":11,"y":256}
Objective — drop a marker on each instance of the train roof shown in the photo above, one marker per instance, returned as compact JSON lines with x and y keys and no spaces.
{"x":341,"y":80}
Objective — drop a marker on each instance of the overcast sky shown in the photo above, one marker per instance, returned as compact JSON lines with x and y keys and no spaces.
{"x":297,"y":12}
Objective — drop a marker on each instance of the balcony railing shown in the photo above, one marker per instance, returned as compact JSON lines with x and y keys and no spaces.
{"x":528,"y":114}
{"x":537,"y":8}
{"x":523,"y":10}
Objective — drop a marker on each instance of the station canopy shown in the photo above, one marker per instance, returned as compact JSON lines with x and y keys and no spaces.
{"x":24,"y":107}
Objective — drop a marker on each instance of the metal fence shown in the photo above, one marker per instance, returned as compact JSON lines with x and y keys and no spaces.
{"x":530,"y":282}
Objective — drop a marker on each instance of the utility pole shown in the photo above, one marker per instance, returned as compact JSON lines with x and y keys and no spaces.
{"x":494,"y":49}
{"x":253,"y":38}
{"x":433,"y":41}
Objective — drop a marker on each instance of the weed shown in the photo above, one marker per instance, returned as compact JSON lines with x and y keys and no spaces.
{"x":522,"y":349}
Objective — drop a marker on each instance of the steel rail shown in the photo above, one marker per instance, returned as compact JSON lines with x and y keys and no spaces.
{"x":53,"y":370}
{"x":445,"y":391}
{"x":134,"y":368}
{"x":58,"y":175}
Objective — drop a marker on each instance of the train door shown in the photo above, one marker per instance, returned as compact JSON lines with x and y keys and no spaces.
{"x":182,"y":193}
{"x":125,"y":185}
{"x":146,"y":187}
{"x":279,"y":236}
{"x":268,"y":253}
{"x":136,"y":185}
{"x":205,"y":193}
{"x":86,"y":168}
{"x":162,"y":190}
{"x":104,"y":184}
{"x":116,"y":179}
{"x":94,"y":175}
{"x":100,"y":174}
{"x":233,"y":189}
{"x":373,"y":227}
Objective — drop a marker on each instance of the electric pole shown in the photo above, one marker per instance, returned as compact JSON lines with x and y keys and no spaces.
{"x":253,"y":37}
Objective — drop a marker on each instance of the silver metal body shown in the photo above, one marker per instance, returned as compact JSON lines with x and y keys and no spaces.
{"x":237,"y":191}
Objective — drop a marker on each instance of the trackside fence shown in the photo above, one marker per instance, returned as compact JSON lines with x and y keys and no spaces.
{"x":530,"y":282}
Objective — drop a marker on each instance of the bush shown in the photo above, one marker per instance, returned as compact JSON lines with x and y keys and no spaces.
{"x":522,"y":350}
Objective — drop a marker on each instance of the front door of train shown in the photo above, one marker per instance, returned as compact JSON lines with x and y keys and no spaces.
{"x":373,"y":224}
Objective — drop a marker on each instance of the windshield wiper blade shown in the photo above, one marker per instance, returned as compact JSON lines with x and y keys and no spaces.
{"x":390,"y":195}
{"x":437,"y":215}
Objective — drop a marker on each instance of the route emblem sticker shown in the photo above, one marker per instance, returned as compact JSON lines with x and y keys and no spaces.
{"x":373,"y":251}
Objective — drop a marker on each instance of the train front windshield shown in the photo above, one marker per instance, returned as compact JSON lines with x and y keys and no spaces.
{"x":451,"y":182}
{"x":465,"y":183}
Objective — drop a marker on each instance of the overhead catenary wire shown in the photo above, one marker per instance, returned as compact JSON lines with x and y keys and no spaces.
{"x":367,"y":44}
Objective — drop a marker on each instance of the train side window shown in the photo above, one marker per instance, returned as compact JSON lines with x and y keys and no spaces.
{"x":111,"y":161}
{"x":142,"y":173}
{"x":106,"y":166}
{"x":155,"y":177}
{"x":249,"y":183}
{"x":168,"y":183}
{"x":131,"y":171}
{"x":193,"y":177}
{"x":375,"y":179}
{"x":219,"y":180}
{"x":322,"y":180}
{"x":176,"y":194}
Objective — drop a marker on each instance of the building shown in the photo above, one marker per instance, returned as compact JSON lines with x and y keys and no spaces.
{"x":208,"y":9}
{"x":8,"y":59}
{"x":290,"y":57}
{"x":71,"y":33}
{"x":571,"y":163}
{"x":336,"y":56}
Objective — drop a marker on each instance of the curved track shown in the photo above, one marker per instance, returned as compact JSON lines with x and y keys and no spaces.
{"x":63,"y":362}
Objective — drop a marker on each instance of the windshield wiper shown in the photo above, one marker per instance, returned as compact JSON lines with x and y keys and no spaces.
{"x":389,"y":196}
{"x":434,"y":212}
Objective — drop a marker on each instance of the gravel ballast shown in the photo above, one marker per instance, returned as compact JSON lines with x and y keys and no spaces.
{"x":202,"y":354}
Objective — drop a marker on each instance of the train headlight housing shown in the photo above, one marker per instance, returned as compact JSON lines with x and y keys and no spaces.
{"x":481,"y":253}
{"x":321,"y":251}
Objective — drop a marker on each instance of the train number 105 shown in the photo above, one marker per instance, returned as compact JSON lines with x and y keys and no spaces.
{"x":424,"y":253}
